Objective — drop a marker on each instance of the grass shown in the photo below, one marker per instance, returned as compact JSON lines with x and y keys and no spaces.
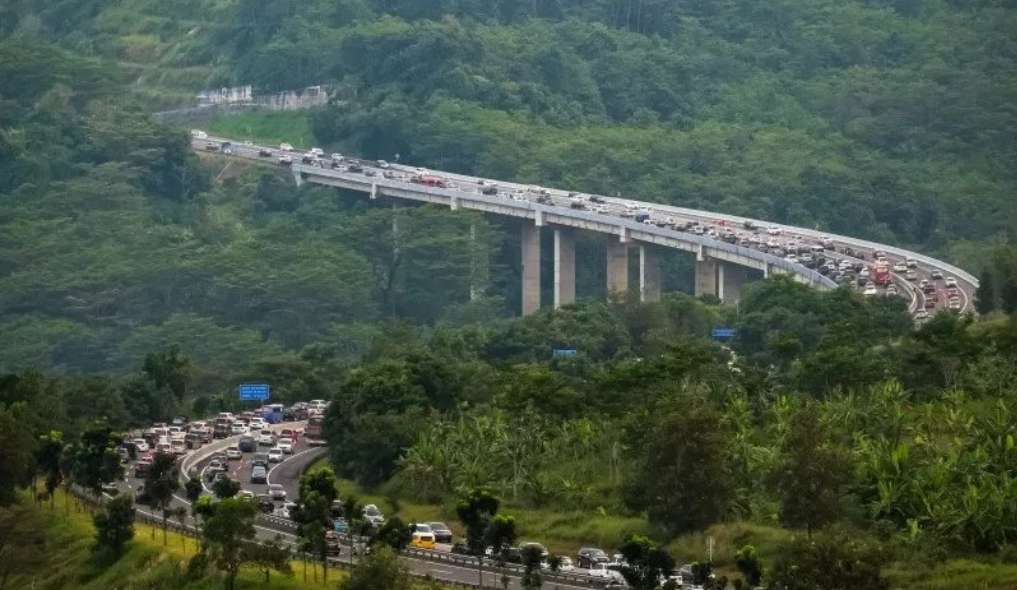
{"x":953,"y":574}
{"x":147,"y":563}
{"x":265,"y":127}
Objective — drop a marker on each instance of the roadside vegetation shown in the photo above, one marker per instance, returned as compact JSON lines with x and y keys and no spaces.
{"x":139,"y":281}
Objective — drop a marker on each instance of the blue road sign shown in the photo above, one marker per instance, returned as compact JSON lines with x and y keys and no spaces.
{"x":564,"y":352}
{"x":253,"y":392}
{"x":723,"y":333}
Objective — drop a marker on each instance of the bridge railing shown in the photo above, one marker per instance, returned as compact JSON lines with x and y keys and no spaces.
{"x":772,"y":261}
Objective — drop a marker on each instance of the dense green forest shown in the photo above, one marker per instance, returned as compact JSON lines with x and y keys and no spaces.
{"x":139,"y":281}
{"x":887,"y":120}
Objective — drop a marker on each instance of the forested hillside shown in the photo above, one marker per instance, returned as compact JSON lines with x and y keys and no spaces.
{"x":888,"y":120}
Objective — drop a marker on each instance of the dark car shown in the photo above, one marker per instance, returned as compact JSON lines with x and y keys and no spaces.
{"x":442,"y":534}
{"x":264,"y":153}
{"x":247,"y":444}
{"x":596,"y":199}
{"x":355,"y":168}
{"x":261,"y":459}
{"x":589,"y":556}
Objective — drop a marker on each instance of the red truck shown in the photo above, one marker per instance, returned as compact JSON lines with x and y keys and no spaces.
{"x":881,"y":273}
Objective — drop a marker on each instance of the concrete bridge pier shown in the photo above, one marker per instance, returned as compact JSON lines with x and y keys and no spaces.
{"x":530,"y":240}
{"x":730,"y":280}
{"x":564,"y":267}
{"x":649,"y":275}
{"x":617,"y":268}
{"x":706,"y":277}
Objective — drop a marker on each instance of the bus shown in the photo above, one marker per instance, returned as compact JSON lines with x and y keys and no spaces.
{"x":273,"y":413}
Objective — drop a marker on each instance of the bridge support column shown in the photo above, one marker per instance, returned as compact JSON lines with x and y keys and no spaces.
{"x":706,"y":277}
{"x":564,"y":267}
{"x":617,"y":268}
{"x":297,"y":177}
{"x":479,"y":267}
{"x":731,"y":277}
{"x":530,"y":240}
{"x":649,"y":275}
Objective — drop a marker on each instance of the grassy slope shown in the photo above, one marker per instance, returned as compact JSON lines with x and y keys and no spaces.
{"x":272,"y":128}
{"x":564,"y":532}
{"x":147,"y":563}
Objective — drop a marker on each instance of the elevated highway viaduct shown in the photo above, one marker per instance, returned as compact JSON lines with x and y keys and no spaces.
{"x":729,"y":250}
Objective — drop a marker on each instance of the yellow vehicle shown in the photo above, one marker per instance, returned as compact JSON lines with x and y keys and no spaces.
{"x":422,"y":540}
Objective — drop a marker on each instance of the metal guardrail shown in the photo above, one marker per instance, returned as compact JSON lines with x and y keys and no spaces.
{"x":620,"y":224}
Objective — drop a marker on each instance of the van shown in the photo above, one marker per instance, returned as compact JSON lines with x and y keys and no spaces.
{"x":422,"y":540}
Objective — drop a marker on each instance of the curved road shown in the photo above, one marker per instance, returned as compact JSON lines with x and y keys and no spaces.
{"x":440,"y":566}
{"x":753,"y":243}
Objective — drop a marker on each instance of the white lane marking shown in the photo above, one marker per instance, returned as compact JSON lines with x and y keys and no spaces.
{"x":290,"y":458}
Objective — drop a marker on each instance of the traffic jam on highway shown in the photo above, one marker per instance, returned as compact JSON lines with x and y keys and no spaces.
{"x":266,"y":450}
{"x":872,"y":272}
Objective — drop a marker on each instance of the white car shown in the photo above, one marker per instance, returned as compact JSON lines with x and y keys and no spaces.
{"x":140,"y":445}
{"x":318,"y":152}
{"x":383,"y":164}
{"x":900,"y":267}
{"x":870,"y":290}
{"x":198,"y":134}
{"x":285,"y":445}
{"x":275,"y":455}
{"x":276,"y":491}
{"x":285,"y":147}
{"x":266,"y":440}
{"x":233,"y":453}
{"x":337,"y":157}
{"x":238,"y":429}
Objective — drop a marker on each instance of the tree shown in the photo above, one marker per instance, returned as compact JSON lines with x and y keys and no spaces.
{"x":320,"y":480}
{"x":531,"y":558}
{"x":169,"y":369}
{"x":162,"y":480}
{"x":193,"y":490}
{"x":394,"y":533}
{"x":749,"y":565}
{"x":986,"y":299}
{"x":500,"y":534}
{"x":47,"y":461}
{"x":225,"y":487}
{"x":314,"y":520}
{"x":381,"y":570}
{"x":812,"y":473}
{"x":646,"y":563}
{"x":114,"y":525}
{"x":227,"y":528}
{"x":17,"y":446}
{"x":268,"y":556}
{"x":828,"y":561}
{"x":475,"y":510}
{"x":681,"y":476}
{"x":95,"y":460}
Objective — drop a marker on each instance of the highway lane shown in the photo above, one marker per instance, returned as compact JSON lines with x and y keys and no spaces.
{"x":712,"y":223}
{"x":287,"y":473}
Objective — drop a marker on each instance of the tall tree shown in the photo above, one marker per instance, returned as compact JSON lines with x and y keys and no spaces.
{"x":475,"y":510}
{"x":986,"y":299}
{"x":810,"y":478}
{"x":500,"y":534}
{"x":532,"y":557}
{"x":838,"y":560}
{"x":680,"y":475}
{"x":227,"y":527}
{"x":17,"y":464}
{"x":95,"y":460}
{"x":646,"y":563}
{"x":380,"y":570}
{"x":162,"y":480}
{"x":114,"y":525}
{"x":47,"y":460}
